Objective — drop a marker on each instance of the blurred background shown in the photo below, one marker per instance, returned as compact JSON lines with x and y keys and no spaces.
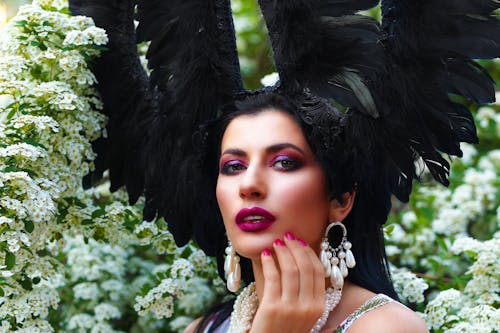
{"x":9,"y":7}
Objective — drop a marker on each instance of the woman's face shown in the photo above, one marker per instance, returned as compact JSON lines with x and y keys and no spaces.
{"x":269,"y":183}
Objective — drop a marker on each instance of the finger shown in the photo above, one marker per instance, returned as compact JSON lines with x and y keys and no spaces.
{"x":319,"y":271}
{"x":272,"y":278}
{"x":305,"y":266}
{"x":289,"y":272}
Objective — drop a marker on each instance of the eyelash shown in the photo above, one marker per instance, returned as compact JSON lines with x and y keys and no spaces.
{"x":226,"y":168}
{"x":287,"y":164}
{"x":293,"y":164}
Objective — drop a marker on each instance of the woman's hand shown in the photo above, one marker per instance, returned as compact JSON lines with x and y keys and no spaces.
{"x":294,"y":288}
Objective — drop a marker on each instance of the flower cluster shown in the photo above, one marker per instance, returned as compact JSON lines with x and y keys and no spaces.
{"x":408,"y":286}
{"x":450,"y":237}
{"x":48,"y":116}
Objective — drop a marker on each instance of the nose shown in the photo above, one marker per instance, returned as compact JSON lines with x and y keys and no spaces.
{"x":253,"y":184}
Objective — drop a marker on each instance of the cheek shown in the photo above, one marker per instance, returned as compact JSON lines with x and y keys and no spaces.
{"x":306,"y":196}
{"x":224,"y":198}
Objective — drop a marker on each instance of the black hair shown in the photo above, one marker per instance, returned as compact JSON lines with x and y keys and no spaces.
{"x":338,"y":158}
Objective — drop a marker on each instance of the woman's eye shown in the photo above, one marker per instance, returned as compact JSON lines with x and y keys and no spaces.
{"x":231,"y":167}
{"x":286,"y":164}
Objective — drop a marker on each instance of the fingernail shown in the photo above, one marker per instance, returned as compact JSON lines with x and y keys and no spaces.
{"x":301,"y":242}
{"x":289,"y":235}
{"x":279,"y":242}
{"x":266,"y":253}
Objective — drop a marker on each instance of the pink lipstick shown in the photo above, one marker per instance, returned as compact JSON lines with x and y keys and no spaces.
{"x":254,"y":219}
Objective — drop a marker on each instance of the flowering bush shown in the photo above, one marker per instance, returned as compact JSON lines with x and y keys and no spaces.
{"x":75,"y":260}
{"x":450,"y":237}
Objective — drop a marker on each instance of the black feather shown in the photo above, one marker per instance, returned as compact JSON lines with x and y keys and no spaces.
{"x":196,"y":71}
{"x":345,"y":7}
{"x":323,"y":47}
{"x":124,"y":88}
{"x":430,"y":47}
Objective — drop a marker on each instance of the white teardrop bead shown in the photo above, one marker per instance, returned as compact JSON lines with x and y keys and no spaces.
{"x":328,"y":269}
{"x":343,"y":268}
{"x":323,"y":257}
{"x":227,"y":264}
{"x":237,"y":272}
{"x":232,"y":284}
{"x":349,"y":259}
{"x":334,"y":261}
{"x":336,"y":278}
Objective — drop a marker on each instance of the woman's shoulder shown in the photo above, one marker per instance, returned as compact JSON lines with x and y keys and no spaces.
{"x":392,"y":317}
{"x":191,"y":327}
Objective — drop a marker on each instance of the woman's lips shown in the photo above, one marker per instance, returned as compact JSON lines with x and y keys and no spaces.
{"x":254,"y":219}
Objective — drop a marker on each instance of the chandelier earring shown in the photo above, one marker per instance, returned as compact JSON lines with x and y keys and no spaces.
{"x":337,"y":260}
{"x":232,"y":269}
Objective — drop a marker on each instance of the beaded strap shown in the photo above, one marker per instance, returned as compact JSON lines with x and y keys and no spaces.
{"x":371,"y":304}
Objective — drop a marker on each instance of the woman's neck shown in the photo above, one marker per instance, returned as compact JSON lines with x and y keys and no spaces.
{"x":259,"y":278}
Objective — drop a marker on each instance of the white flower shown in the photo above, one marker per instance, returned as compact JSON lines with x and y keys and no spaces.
{"x":5,"y":220}
{"x":11,"y":67}
{"x":81,"y":321}
{"x":23,"y":150}
{"x":13,"y":245}
{"x":450,"y":221}
{"x":408,"y":286}
{"x":106,"y":311}
{"x":437,"y":309}
{"x":466,"y":244}
{"x":484,"y":115}
{"x":270,"y":79}
{"x":97,"y":35}
{"x":182,"y":268}
{"x":76,"y":37}
{"x":41,"y":123}
{"x":6,"y":100}
{"x":86,"y":291}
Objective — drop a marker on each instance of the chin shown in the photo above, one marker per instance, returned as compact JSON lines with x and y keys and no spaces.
{"x":251,"y":245}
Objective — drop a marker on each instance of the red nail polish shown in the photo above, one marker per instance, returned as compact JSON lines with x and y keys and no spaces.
{"x":266,"y":253}
{"x":279,"y":242}
{"x":289,"y":235}
{"x":301,"y":242}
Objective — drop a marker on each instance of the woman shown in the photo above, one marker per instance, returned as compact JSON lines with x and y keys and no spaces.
{"x":275,"y":201}
{"x":278,"y":169}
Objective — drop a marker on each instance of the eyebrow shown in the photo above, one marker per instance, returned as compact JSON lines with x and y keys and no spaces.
{"x":270,"y":149}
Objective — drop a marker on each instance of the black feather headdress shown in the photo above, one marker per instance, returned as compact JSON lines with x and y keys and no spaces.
{"x":397,"y":81}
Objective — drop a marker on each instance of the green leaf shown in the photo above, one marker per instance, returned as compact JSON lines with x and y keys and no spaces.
{"x":29,"y":226}
{"x":98,"y":213}
{"x":36,"y":280}
{"x":87,"y":222}
{"x":2,"y":293}
{"x":34,"y":143}
{"x":24,"y":247}
{"x":389,"y":229}
{"x":442,"y":243}
{"x":26,"y":284}
{"x":10,"y":260}
{"x":11,"y":114}
{"x":21,"y":23}
{"x":35,"y":43}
